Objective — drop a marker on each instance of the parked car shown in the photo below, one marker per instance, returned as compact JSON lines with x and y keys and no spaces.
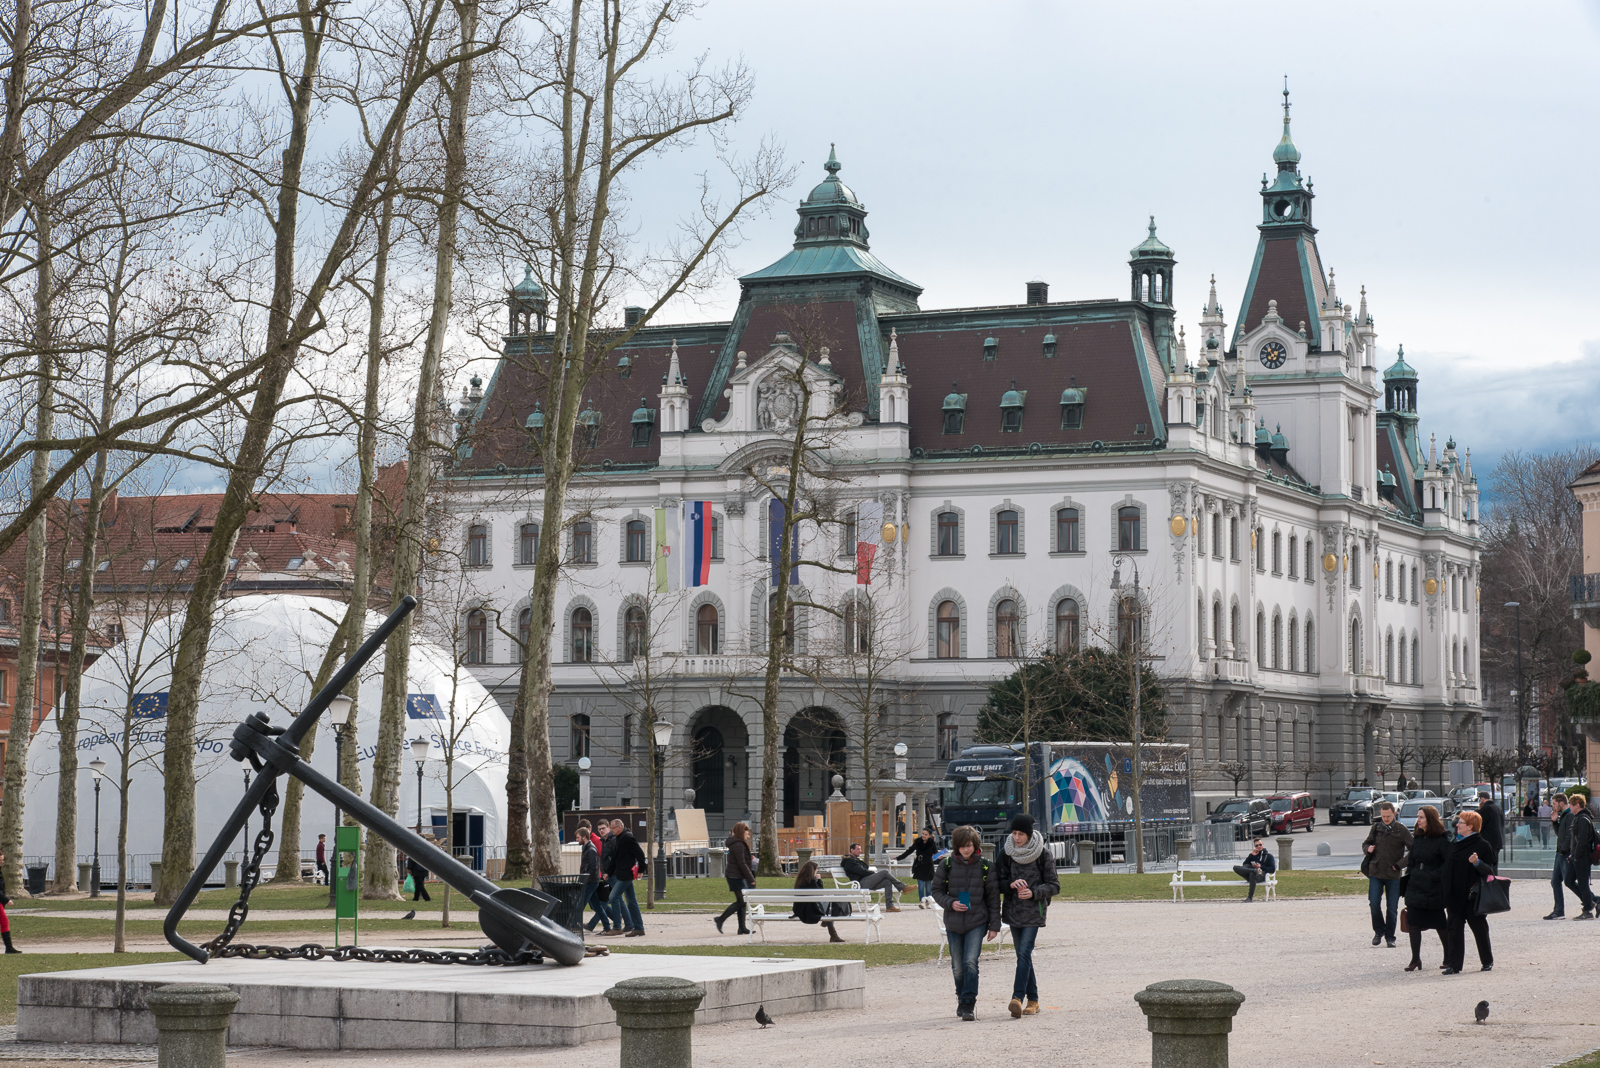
{"x":1407,"y":813}
{"x":1394,"y":797}
{"x":1414,"y":794}
{"x":1250,"y":816}
{"x":1291,"y":812}
{"x":1355,"y":806}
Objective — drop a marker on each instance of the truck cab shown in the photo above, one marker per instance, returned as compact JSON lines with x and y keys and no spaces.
{"x":985,"y":789}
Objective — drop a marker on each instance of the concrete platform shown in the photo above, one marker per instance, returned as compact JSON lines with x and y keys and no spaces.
{"x":325,"y":1005}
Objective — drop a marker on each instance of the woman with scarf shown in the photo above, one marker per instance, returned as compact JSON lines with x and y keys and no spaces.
{"x":1469,"y":860}
{"x":1026,"y":874}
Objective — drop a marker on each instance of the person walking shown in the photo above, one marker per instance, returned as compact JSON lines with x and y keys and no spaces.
{"x":858,"y":871}
{"x":1385,"y":855}
{"x":5,"y":921}
{"x":322,"y":858}
{"x":1467,"y":862}
{"x":1580,"y":860}
{"x":1561,"y":822}
{"x":1542,"y":814}
{"x":962,"y":887}
{"x":605,"y":906}
{"x":925,"y":846}
{"x":419,"y":879}
{"x":740,"y":873}
{"x":1026,"y":874}
{"x":1422,"y":886}
{"x":626,"y":857}
{"x":804,"y":911}
{"x":589,"y":877}
{"x":1494,"y":824}
{"x":1256,"y":867}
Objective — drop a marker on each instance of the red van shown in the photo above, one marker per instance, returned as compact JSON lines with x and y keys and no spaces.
{"x":1290,"y":812}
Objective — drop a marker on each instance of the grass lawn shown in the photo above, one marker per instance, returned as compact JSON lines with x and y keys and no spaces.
{"x":12,"y":966}
{"x":879,"y":953}
{"x":1590,"y":1061}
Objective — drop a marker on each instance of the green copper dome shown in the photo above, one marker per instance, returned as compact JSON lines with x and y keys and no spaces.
{"x":955,"y":402}
{"x":528,"y":288}
{"x":1286,"y":153}
{"x":831,"y":190}
{"x":1262,"y":437}
{"x":1400,"y":369}
{"x":1151,"y":245}
{"x":536,"y":418}
{"x":1012,"y":398}
{"x":644,"y":413}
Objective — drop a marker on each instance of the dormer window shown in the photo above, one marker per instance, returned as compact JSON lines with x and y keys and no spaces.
{"x":1072,"y":402}
{"x":535,"y":423}
{"x":1049,"y":346}
{"x":624,"y":366}
{"x":589,"y":427}
{"x":955,"y":411}
{"x":991,"y":348}
{"x":1011,"y":403}
{"x":644,"y":421}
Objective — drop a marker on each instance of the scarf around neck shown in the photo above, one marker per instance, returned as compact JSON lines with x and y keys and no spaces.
{"x":1025,"y":854}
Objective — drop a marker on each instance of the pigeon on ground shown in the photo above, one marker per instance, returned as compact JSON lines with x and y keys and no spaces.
{"x":410,"y":915}
{"x":762,"y":1018}
{"x":1481,"y":1013}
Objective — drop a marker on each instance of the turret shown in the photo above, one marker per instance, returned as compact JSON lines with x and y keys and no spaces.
{"x":894,"y":392}
{"x":1400,"y":385}
{"x":528,"y":305}
{"x":674,"y":398}
{"x":1212,"y":327}
{"x":1332,"y":316}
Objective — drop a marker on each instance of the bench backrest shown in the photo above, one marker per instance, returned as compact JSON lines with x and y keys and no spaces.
{"x":787,"y":897}
{"x":1206,"y":865}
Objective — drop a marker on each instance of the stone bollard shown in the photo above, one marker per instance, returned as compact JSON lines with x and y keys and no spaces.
{"x":192,"y":1023}
{"x":1189,"y":1021}
{"x":1285,"y":853}
{"x":1085,"y":857}
{"x":230,"y":878}
{"x":655,"y":1013}
{"x":716,"y":861}
{"x":155,"y":875}
{"x":803,"y":854}
{"x":1324,"y":850}
{"x":1185,"y":848}
{"x":85,"y":873}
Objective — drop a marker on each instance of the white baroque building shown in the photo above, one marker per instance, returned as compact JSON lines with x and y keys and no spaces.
{"x":1310,"y":564}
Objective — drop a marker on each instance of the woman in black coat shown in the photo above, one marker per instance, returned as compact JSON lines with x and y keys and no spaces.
{"x":1423,"y":883}
{"x":1469,"y":860}
{"x":740,"y":872}
{"x":812,"y":911}
{"x":925,"y":846}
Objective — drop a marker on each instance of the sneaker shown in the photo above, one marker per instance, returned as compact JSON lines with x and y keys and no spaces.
{"x":1015,"y":1008}
{"x":1377,"y":938}
{"x":1391,"y":943}
{"x":1557,"y":915}
{"x":635,"y":933}
{"x":967,"y":1014}
{"x":1584,"y":915}
{"x":1031,"y":1008}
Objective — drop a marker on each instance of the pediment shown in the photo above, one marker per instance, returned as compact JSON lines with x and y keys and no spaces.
{"x":765,"y":396}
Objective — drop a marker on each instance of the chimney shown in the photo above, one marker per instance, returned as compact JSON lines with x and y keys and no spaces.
{"x":1038,"y":292}
{"x":632,"y":314}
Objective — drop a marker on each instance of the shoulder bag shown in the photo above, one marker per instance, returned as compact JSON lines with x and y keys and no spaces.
{"x":1494,"y":895}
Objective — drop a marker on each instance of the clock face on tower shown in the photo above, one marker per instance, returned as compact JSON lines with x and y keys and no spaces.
{"x":1273,"y":354}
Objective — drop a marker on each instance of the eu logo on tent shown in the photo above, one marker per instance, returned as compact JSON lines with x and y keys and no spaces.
{"x":423,"y":706}
{"x":150,"y":705}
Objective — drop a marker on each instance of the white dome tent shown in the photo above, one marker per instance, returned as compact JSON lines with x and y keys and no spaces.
{"x":265,"y":653}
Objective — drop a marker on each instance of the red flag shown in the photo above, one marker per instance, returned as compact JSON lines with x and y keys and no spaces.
{"x":865,"y":551}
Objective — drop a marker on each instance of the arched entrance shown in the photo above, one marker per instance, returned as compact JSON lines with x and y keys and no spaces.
{"x":706,"y":769}
{"x":815,"y":748}
{"x":717,"y":767}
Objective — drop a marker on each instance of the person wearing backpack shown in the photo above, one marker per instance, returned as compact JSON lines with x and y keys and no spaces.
{"x":1581,"y":860}
{"x":1025,"y":872}
{"x":971,"y":903}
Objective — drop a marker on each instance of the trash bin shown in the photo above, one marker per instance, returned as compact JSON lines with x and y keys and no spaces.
{"x":569,"y":892}
{"x":38,"y":876}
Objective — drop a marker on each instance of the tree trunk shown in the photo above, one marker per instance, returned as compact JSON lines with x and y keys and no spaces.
{"x":519,"y":854}
{"x":776,"y":620}
{"x":238,"y":499}
{"x":28,"y":652}
{"x":119,"y":939}
{"x":379,"y":875}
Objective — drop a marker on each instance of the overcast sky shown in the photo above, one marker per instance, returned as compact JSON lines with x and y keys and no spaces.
{"x":1453,"y":149}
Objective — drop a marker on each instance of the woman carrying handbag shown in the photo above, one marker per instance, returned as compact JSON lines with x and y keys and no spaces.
{"x":1469,"y":861}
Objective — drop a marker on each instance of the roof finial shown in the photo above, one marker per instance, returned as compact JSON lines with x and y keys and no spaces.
{"x":832,"y":166}
{"x":1286,"y":155}
{"x":1152,"y":226}
{"x":895,"y":366}
{"x":1286,"y":105}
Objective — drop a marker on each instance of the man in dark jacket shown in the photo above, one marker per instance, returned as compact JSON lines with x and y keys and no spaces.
{"x":1494,"y":825}
{"x":1025,"y":871}
{"x":971,"y":903}
{"x":857,"y":871}
{"x":1385,"y":850}
{"x":1581,"y":859}
{"x":624,"y":856}
{"x":1561,"y":819}
{"x":1256,"y":867}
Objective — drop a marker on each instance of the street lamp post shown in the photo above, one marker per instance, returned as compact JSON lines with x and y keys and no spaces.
{"x":1137,"y":650}
{"x":339,"y":719}
{"x":419,"y":750}
{"x":1517,"y":695}
{"x":97,"y":768}
{"x":661,"y":730}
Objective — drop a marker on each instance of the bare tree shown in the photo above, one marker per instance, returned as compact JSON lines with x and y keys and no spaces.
{"x":1236,"y":771}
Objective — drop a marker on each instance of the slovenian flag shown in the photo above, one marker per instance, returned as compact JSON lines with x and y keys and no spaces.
{"x":697,"y":538}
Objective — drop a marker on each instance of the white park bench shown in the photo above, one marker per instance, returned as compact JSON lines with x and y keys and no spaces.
{"x":777,"y":906}
{"x":841,"y":881}
{"x":1206,"y":872}
{"x":944,"y":939}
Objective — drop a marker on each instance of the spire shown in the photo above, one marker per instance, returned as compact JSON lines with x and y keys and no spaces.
{"x":895,"y":366}
{"x":1181,"y":362}
{"x":674,"y":376}
{"x":1433,"y":451}
{"x":1211,"y":301}
{"x":833,"y":164}
{"x":1333,"y":291}
{"x":1286,"y":156}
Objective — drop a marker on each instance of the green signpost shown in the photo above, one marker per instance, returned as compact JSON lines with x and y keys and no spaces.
{"x":346,"y":899}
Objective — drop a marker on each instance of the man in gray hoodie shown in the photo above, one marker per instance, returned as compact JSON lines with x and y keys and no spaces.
{"x":971,"y":903}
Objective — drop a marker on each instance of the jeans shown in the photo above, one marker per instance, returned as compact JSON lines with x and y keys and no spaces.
{"x":626,"y":904}
{"x":1558,"y":878}
{"x":602,"y":911}
{"x":1377,"y":890}
{"x":1025,"y":985}
{"x":924,"y":889}
{"x":1250,"y":875}
{"x":1578,"y":869}
{"x":965,"y":950}
{"x":882,"y":880}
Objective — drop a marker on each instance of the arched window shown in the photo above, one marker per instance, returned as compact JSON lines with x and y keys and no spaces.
{"x":948,"y":626}
{"x":1355,"y":647}
{"x":1388,"y":579}
{"x":1216,"y":535}
{"x":1311,"y":644}
{"x":1311,"y":560}
{"x":1400,"y":664}
{"x":1200,"y":629}
{"x":1455,"y":658}
{"x":1355,"y":566}
{"x":949,"y":534}
{"x":477,"y":545}
{"x":1216,"y":625}
{"x":949,"y":741}
{"x":1005,"y":630}
{"x":1261,"y":638}
{"x":1466,"y":660}
{"x":788,"y":619}
{"x":582,"y":636}
{"x":1294,"y":643}
{"x":477,"y":637}
{"x":1129,"y":632}
{"x":1388,"y":657}
{"x":1277,"y":643}
{"x":1401,"y":584}
{"x":1294,"y":555}
{"x":1235,"y":630}
{"x":1416,"y":652}
{"x":1277,"y":553}
{"x":635,"y":636}
{"x":857,"y":627}
{"x":1415,"y":585}
{"x":524,"y":624}
{"x":706,"y":769}
{"x":1128,"y":529}
{"x":527,"y":543}
{"x":638,"y":542}
{"x":1005,"y":533}
{"x":1067,"y":531}
{"x":705,"y":630}
{"x":578,"y":737}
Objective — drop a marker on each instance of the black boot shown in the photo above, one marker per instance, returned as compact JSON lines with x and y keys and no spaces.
{"x":9,"y":947}
{"x":742,"y":928}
